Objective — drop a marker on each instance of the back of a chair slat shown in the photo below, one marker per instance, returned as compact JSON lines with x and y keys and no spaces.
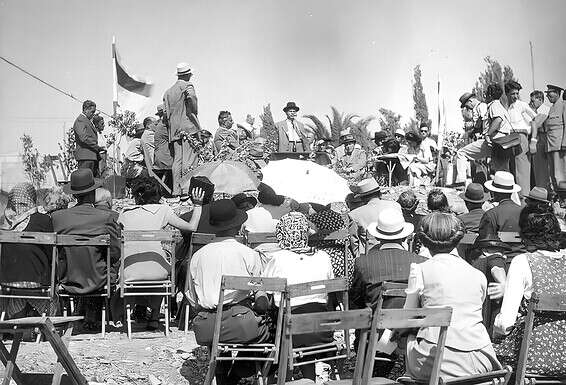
{"x":549,"y":303}
{"x":158,"y":235}
{"x":510,"y":237}
{"x":413,"y":318}
{"x":317,"y":287}
{"x":230,"y":282}
{"x":79,"y":240}
{"x":339,"y":235}
{"x":330,"y":321}
{"x":253,"y":239}
{"x":28,"y":237}
{"x":205,"y":238}
{"x":394,"y":289}
{"x":468,"y":239}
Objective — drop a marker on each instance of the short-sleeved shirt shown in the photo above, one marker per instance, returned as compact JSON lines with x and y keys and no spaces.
{"x":496,"y":110}
{"x":209,"y":264}
{"x":300,"y":268}
{"x":520,"y":115}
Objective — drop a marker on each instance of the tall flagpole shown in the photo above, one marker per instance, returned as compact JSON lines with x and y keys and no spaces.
{"x":114,"y":77}
{"x":532,"y":65}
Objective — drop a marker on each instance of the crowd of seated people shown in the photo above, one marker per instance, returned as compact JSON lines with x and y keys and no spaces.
{"x":485,"y":284}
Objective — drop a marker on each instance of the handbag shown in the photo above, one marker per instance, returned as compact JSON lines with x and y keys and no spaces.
{"x":510,"y":143}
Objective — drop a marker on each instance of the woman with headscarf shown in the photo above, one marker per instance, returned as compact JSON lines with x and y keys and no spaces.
{"x":327,"y":222}
{"x":299,"y":263}
{"x":25,"y":265}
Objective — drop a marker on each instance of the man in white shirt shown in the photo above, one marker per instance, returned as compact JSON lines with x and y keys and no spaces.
{"x":521,"y":116}
{"x":539,"y":159}
{"x":427,"y":140}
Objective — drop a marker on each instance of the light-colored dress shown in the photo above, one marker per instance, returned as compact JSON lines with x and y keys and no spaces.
{"x":145,"y":260}
{"x":448,"y":280}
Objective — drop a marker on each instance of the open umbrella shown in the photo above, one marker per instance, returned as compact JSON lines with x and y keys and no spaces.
{"x":305,"y":181}
{"x":229,"y":177}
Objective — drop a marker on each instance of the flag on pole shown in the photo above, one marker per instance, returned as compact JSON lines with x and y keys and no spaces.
{"x":441,"y":127}
{"x":131,"y":92}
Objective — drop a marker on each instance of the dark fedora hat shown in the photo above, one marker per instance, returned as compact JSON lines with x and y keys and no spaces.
{"x":291,"y":106}
{"x":82,"y":181}
{"x":267,"y":195}
{"x":474,"y":193}
{"x":464,"y":98}
{"x":224,"y":215}
{"x":490,"y":241}
{"x":241,"y":198}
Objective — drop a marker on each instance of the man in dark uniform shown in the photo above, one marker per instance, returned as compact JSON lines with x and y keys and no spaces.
{"x":87,"y":150}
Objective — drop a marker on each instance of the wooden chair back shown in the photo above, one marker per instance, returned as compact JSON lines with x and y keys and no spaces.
{"x":33,"y":238}
{"x":538,"y":303}
{"x":270,"y":351}
{"x":326,"y":322}
{"x":408,"y":319}
{"x":510,"y":237}
{"x":254,"y":239}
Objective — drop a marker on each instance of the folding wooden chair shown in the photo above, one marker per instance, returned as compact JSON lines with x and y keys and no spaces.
{"x":538,"y":303}
{"x":197,"y":239}
{"x":313,"y":288}
{"x":47,"y":292}
{"x":160,"y":288}
{"x":102,"y":241}
{"x":48,"y":328}
{"x":327,"y":322}
{"x":268,"y":353}
{"x":254,"y":239}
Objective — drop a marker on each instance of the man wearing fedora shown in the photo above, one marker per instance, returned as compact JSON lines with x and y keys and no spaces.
{"x":351,"y":159}
{"x":180,"y":105}
{"x":82,"y":269}
{"x":474,"y":127}
{"x":553,"y":139}
{"x":87,"y":150}
{"x":240,"y":324}
{"x":474,"y":198}
{"x":504,"y":216}
{"x":292,"y":135}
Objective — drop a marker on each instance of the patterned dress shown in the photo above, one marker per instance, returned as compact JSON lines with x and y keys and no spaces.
{"x":546,"y":355}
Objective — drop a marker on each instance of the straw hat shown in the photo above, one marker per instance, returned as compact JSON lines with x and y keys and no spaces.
{"x":502,"y":182}
{"x":390,"y":225}
{"x":183,"y":69}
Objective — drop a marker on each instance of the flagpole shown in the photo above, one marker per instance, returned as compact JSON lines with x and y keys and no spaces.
{"x":440,"y":134}
{"x":114,"y":77}
{"x":532,"y":64}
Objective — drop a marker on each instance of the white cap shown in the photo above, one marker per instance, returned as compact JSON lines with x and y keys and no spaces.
{"x":183,"y":68}
{"x":400,"y":131}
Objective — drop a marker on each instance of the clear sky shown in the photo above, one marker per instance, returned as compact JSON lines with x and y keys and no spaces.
{"x":355,"y":55}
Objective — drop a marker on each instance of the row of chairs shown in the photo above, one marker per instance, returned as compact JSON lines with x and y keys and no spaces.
{"x":163,"y":288}
{"x":282,"y":353}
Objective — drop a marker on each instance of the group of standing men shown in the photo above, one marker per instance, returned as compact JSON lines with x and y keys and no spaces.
{"x":541,"y":149}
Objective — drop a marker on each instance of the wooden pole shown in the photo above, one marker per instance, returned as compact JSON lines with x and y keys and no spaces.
{"x":532,"y":65}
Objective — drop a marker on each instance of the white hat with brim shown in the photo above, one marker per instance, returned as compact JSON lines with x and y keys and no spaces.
{"x":502,"y":182}
{"x":390,"y":225}
{"x":183,"y":69}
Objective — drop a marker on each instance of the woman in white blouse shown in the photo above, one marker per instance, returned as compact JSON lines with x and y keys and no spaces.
{"x":448,"y":280}
{"x":542,"y":270}
{"x":419,"y":158}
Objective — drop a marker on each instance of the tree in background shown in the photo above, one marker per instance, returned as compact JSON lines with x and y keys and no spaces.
{"x":389,"y":121}
{"x":494,"y":73}
{"x":67,"y":151}
{"x":338,"y":123}
{"x":268,"y":129}
{"x":419,"y":100}
{"x":359,"y":129}
{"x":317,"y":127}
{"x":36,"y":166}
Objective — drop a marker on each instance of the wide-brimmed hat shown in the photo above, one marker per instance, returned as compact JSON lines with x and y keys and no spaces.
{"x":241,"y":198}
{"x":502,"y":182}
{"x":490,"y":241}
{"x":347,"y":138}
{"x":291,"y":106}
{"x":400,"y":132}
{"x":553,"y":88}
{"x":365,"y":187}
{"x":474,"y":194}
{"x":538,"y":194}
{"x":390,"y":225}
{"x":183,"y":69}
{"x":224,"y":215}
{"x":268,"y":196}
{"x":82,"y":181}
{"x":464,"y":98}
{"x":379,"y":135}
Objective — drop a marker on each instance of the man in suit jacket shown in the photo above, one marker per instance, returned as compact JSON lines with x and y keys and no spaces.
{"x":180,"y":105}
{"x":83,"y":268}
{"x":292,"y":135}
{"x":474,"y":198}
{"x":87,"y":150}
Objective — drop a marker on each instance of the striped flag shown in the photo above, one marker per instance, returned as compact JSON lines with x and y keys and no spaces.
{"x":131,"y":92}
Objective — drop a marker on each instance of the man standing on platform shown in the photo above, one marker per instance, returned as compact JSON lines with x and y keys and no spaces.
{"x":292,"y":133}
{"x":162,"y":158}
{"x":180,"y":104}
{"x":541,"y":170}
{"x":87,"y":150}
{"x":553,"y":138}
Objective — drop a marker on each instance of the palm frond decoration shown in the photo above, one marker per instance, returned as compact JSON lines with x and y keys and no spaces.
{"x":268,"y":129}
{"x":317,"y":127}
{"x":339,"y":122}
{"x":360,"y":131}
